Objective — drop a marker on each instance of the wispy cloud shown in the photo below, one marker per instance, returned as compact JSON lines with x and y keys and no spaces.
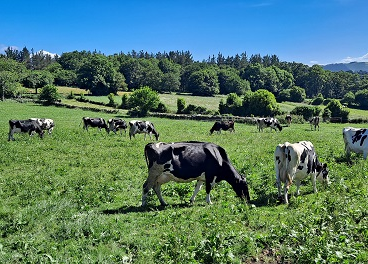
{"x":363,"y":58}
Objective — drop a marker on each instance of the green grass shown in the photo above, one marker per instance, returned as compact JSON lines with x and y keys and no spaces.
{"x":74,"y":197}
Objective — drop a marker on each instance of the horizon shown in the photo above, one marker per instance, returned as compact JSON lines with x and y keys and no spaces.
{"x":311,"y":32}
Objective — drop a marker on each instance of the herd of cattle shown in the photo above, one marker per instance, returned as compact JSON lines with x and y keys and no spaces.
{"x":208,"y":163}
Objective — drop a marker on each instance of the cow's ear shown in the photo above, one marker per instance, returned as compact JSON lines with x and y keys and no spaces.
{"x":324,"y":165}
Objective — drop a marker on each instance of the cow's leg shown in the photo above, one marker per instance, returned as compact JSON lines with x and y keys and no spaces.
{"x":157,"y":189}
{"x":286,"y":190}
{"x":209,"y":186}
{"x":196,"y":190}
{"x":278,"y":182}
{"x":297,"y":183}
{"x":313,"y":178}
{"x":11,"y":133}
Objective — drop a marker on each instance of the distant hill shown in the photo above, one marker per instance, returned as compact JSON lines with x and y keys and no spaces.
{"x":352,"y":66}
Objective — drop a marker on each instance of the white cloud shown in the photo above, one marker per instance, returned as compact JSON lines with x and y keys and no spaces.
{"x":363,"y":58}
{"x":48,"y":53}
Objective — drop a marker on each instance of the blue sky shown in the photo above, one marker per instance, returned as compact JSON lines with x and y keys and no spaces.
{"x":306,"y":31}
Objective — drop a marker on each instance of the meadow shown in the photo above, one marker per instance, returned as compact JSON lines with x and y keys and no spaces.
{"x":74,"y":197}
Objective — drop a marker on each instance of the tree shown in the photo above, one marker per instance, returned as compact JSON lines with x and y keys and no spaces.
{"x":260,"y":103}
{"x":349,"y":99}
{"x":37,"y":79}
{"x":297,"y":94}
{"x":143,"y":100}
{"x":49,"y":94}
{"x":99,"y":76}
{"x":230,"y":82}
{"x":361,"y":98}
{"x":337,"y":110}
{"x":204,"y":82}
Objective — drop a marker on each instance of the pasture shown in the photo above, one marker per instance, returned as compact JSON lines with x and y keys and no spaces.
{"x":74,"y":197}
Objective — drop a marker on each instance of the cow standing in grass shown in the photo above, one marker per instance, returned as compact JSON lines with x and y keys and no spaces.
{"x":314,"y":122}
{"x":116,"y":124}
{"x":356,"y":140}
{"x":288,"y":119}
{"x":94,"y":122}
{"x":295,"y":162}
{"x":188,"y":161}
{"x":272,"y":123}
{"x":46,"y":124}
{"x":142,"y":127}
{"x":24,"y":126}
{"x":223,"y":125}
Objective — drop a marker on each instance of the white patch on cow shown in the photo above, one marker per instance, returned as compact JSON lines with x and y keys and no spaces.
{"x":356,"y":140}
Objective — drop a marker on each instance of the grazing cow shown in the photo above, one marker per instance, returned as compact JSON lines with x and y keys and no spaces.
{"x":116,"y":124}
{"x":223,"y":125}
{"x":272,"y":123}
{"x":188,"y":161}
{"x":24,"y":126}
{"x":45,"y":124}
{"x":355,"y":140}
{"x":139,"y":127}
{"x":314,"y":121}
{"x":94,"y":122}
{"x":288,"y":119}
{"x":296,"y":162}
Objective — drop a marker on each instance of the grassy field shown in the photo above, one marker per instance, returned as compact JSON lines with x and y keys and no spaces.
{"x":170,"y":100}
{"x":74,"y":197}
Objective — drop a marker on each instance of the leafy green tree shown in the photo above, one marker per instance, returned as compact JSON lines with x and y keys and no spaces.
{"x":144,"y":100}
{"x":204,"y":83}
{"x":297,"y":94}
{"x":99,"y":76}
{"x":306,"y":111}
{"x":361,"y":98}
{"x":37,"y":79}
{"x":348,"y":99}
{"x":49,"y":94}
{"x":124,"y":102}
{"x":260,"y":103}
{"x":233,"y":105}
{"x":170,"y":81}
{"x":230,"y":82}
{"x":337,"y":110}
{"x":9,"y":85}
{"x":318,"y":100}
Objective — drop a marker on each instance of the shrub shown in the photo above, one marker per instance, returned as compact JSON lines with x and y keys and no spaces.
{"x":306,"y":111}
{"x":144,"y":100}
{"x":318,"y":100}
{"x":181,"y":105}
{"x":49,"y":94}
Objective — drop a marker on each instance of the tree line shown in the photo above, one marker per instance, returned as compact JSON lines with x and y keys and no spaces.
{"x":176,"y":71}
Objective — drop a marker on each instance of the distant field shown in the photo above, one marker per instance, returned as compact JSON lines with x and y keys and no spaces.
{"x":211,"y":103}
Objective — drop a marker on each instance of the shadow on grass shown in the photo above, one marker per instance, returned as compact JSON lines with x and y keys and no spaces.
{"x":140,"y":209}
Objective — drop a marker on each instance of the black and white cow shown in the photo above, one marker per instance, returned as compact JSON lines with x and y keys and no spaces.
{"x":355,"y":140}
{"x":116,"y":124}
{"x":295,"y":162}
{"x":222,"y":125}
{"x":188,"y":161}
{"x":24,"y":126}
{"x":94,"y":122}
{"x":314,"y":121}
{"x":139,"y":127}
{"x":45,"y":124}
{"x":272,"y":123}
{"x":288,"y":119}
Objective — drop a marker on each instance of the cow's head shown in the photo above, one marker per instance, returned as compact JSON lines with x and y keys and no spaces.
{"x":241,"y":189}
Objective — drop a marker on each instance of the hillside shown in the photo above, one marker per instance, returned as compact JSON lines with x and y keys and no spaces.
{"x":352,"y":66}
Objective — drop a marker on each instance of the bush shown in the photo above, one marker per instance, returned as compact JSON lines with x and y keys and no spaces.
{"x":318,"y":100}
{"x":181,"y":105}
{"x":49,"y":94}
{"x":144,"y":100}
{"x":306,"y":111}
